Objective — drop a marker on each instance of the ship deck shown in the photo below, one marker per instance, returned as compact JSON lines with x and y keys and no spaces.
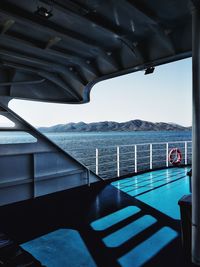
{"x":131,"y":222}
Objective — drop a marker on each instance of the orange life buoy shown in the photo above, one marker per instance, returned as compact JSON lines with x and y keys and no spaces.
{"x":175,"y":156}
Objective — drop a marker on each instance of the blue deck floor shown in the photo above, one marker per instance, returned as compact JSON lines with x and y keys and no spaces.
{"x":133,"y":222}
{"x":61,"y":248}
{"x":160,"y":189}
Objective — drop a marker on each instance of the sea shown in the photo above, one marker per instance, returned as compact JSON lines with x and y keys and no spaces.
{"x":69,"y":141}
{"x":112,"y":151}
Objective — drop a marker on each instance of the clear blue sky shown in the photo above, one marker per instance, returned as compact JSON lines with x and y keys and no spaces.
{"x":165,"y":95}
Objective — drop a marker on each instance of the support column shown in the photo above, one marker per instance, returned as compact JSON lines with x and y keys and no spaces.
{"x":196,"y":135}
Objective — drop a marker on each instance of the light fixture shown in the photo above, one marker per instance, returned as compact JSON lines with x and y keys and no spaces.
{"x":149,"y":70}
{"x":44,"y":11}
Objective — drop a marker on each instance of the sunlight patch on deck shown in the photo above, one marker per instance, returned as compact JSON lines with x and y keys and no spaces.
{"x":63,"y":247}
{"x":114,"y":218}
{"x":148,"y":249}
{"x":129,"y":231}
{"x":160,"y":189}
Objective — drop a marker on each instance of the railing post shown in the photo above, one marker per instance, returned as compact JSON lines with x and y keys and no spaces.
{"x":97,"y":161}
{"x":118,"y":170}
{"x":135,"y":158}
{"x":185,"y":152}
{"x":167,"y":161}
{"x":151,"y":156}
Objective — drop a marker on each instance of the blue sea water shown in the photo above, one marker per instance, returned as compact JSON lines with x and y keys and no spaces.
{"x":101,"y":139}
{"x":83,"y":147}
{"x":104,"y":139}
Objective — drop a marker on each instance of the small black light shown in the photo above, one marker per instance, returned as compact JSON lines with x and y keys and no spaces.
{"x":149,"y":70}
{"x":43,"y":12}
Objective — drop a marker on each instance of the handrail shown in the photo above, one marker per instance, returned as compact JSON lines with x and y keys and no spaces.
{"x":116,"y":159}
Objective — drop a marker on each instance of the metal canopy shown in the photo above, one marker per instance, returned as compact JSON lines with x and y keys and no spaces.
{"x":58,"y":59}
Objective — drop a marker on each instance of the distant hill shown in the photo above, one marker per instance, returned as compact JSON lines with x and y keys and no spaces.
{"x":108,"y":126}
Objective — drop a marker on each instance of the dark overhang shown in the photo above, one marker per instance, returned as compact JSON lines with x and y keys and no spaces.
{"x":55,"y":50}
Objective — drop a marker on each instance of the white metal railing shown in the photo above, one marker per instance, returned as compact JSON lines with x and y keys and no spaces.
{"x":97,"y":161}
{"x":135,"y":146}
{"x":115,"y":161}
{"x":167,"y":153}
{"x":118,"y":162}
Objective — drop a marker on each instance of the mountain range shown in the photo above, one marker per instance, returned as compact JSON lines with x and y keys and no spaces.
{"x":108,"y":126}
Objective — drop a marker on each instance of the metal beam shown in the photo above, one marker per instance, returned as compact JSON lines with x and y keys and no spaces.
{"x":21,"y":82}
{"x":48,"y":76}
{"x":24,"y":58}
{"x":82,"y":13}
{"x":134,"y":49}
{"x":74,"y":60}
{"x":69,"y":56}
{"x":196,"y":137}
{"x":57,"y":67}
{"x":47,"y":26}
{"x":99,"y":21}
{"x":145,"y":12}
{"x":57,"y":79}
{"x":71,"y":5}
{"x":115,"y":30}
{"x":148,"y":15}
{"x":30,"y":20}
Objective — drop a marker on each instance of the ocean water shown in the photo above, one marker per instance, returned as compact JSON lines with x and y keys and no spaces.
{"x":83,"y":147}
{"x":104,"y":139}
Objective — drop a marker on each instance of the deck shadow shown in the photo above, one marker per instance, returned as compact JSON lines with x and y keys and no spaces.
{"x":78,"y":208}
